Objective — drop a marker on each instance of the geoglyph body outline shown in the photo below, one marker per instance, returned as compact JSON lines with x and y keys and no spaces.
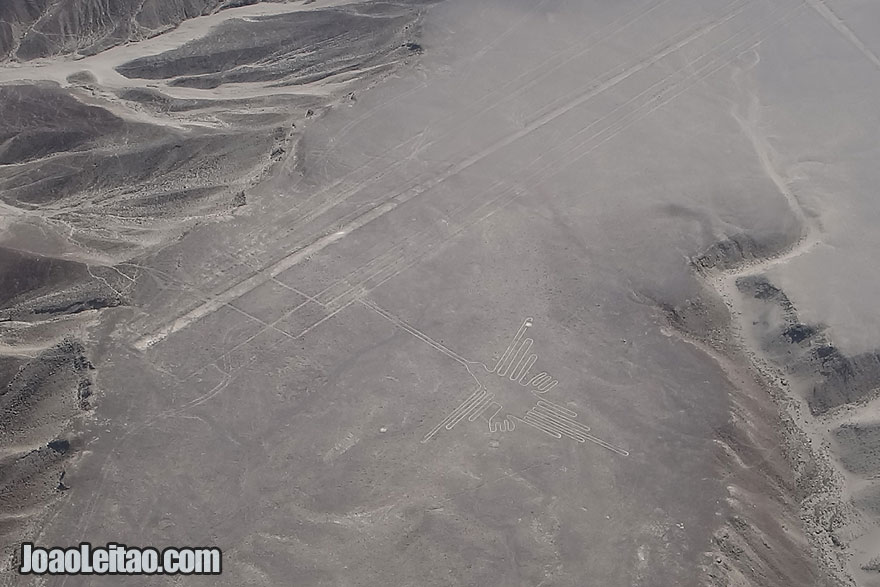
{"x":515,"y":366}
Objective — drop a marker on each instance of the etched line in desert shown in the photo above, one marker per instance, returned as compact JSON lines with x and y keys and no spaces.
{"x":439,"y":293}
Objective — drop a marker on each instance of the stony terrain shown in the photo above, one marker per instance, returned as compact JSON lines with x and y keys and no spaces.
{"x":33,"y":29}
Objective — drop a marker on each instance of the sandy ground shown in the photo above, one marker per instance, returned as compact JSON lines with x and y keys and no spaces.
{"x":492,"y":322}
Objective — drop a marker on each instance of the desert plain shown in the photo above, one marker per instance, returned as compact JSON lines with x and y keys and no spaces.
{"x":411,"y":293}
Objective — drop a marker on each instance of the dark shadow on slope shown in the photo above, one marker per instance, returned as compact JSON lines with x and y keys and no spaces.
{"x":739,"y":249}
{"x":39,"y":120}
{"x":806,"y":351}
{"x":31,"y":29}
{"x":299,"y":47}
{"x":22,"y":274}
{"x":34,"y":287}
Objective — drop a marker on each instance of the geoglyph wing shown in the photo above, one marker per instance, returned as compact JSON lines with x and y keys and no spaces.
{"x":518,"y":395}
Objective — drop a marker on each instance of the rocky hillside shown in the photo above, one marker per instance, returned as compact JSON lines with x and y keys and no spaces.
{"x":30,"y":29}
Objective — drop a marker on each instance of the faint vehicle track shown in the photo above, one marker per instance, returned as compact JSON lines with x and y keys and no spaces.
{"x":360,"y":219}
{"x":484,"y":210}
{"x":396,"y":262}
{"x":840,"y":26}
